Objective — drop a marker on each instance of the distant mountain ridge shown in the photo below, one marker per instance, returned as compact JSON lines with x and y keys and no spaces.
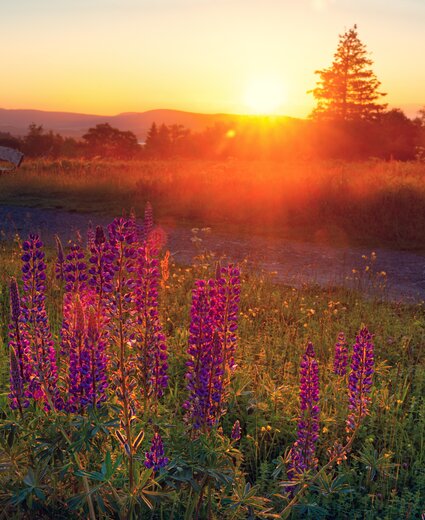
{"x":16,"y":121}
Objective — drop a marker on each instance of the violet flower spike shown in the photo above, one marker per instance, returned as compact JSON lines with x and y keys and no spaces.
{"x":303,"y":452}
{"x":94,"y":362}
{"x":360,"y":379}
{"x":154,"y":458}
{"x":152,"y":356}
{"x":41,"y":370}
{"x":236,"y":431}
{"x":341,"y":355}
{"x":17,"y":397}
{"x":204,"y":373}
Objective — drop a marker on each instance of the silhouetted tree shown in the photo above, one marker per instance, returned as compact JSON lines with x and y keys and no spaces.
{"x":399,"y":136}
{"x":106,"y":141}
{"x":38,"y":143}
{"x":348,"y":89}
{"x":151,"y":141}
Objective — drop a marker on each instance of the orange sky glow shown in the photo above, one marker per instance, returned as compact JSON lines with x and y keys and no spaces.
{"x":112,"y":56}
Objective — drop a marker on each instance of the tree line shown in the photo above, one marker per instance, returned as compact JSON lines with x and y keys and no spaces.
{"x":349,"y":121}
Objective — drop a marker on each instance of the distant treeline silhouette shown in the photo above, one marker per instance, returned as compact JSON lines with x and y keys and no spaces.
{"x":390,"y":136}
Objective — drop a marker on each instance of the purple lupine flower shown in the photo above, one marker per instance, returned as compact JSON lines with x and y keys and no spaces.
{"x":360,"y":379}
{"x":154,"y":458}
{"x":303,"y":452}
{"x":17,"y":397}
{"x":101,"y":271}
{"x":236,"y":431}
{"x":122,"y":321}
{"x":77,"y":366}
{"x":341,"y":355}
{"x":227,"y":287}
{"x":204,"y":374}
{"x":17,"y":340}
{"x":212,"y":345}
{"x":151,"y":365}
{"x":41,"y":369}
{"x":15,"y":304}
{"x":75,"y":277}
{"x":93,"y":365}
{"x":75,"y":270}
{"x":122,"y":257}
{"x":60,"y":259}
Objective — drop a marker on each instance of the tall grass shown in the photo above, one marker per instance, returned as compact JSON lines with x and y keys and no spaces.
{"x":372,"y":202}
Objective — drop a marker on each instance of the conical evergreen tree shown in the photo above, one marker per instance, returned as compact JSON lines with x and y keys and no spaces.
{"x":348,"y":89}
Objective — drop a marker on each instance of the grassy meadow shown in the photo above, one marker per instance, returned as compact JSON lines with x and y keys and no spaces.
{"x":369,"y":203}
{"x":213,"y":476}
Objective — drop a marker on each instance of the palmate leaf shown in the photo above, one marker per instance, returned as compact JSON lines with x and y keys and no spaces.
{"x":327,"y":485}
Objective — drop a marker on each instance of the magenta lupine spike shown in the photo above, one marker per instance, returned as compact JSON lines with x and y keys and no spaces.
{"x":154,"y":458}
{"x":341,"y":355}
{"x":17,"y":396}
{"x":360,"y":379}
{"x":60,"y":259}
{"x":303,"y":452}
{"x":151,"y":365}
{"x":41,"y":369}
{"x":204,"y":374}
{"x":228,"y":287}
{"x":236,"y":431}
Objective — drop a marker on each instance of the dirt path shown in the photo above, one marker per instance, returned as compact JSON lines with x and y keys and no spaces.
{"x":292,"y":262}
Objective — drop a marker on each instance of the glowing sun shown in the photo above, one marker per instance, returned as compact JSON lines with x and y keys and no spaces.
{"x":264,"y":96}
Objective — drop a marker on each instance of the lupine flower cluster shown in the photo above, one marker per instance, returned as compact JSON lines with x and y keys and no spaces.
{"x":360,"y":379}
{"x":212,"y":343}
{"x":110,"y":294}
{"x":111,"y":324}
{"x":154,"y":458}
{"x":341,"y":355}
{"x":303,"y":452}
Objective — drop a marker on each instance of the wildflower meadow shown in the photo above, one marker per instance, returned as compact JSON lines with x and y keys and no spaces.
{"x":132,"y":387}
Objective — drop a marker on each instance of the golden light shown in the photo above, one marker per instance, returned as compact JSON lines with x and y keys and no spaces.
{"x":264,"y":96}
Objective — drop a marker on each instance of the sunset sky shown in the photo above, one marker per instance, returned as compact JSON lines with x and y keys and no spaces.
{"x":111,"y":56}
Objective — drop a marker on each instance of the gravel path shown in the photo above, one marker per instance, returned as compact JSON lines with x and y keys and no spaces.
{"x":292,"y":262}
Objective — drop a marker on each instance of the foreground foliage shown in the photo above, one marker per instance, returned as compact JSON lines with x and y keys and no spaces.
{"x":184,"y":453}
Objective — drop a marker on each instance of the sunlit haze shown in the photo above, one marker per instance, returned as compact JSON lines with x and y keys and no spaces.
{"x":112,"y":56}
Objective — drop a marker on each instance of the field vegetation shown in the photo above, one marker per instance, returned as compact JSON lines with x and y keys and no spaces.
{"x":372,"y":203}
{"x":61,"y":457}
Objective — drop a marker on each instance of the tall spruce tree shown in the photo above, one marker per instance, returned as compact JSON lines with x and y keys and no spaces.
{"x":348,"y":89}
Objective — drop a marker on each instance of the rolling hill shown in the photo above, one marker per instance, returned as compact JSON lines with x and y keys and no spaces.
{"x":72,"y":124}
